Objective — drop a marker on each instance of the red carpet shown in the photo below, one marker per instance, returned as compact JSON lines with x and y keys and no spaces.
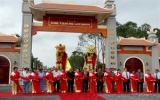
{"x":65,"y":96}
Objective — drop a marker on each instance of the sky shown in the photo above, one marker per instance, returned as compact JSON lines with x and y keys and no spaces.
{"x":43,"y":45}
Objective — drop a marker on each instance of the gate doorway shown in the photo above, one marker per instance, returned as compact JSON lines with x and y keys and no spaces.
{"x":134,"y":64}
{"x":4,"y":70}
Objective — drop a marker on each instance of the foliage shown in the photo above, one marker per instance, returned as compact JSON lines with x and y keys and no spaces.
{"x":158,"y":34}
{"x":35,"y":62}
{"x":130,"y":29}
{"x":17,"y":35}
{"x":91,"y":39}
{"x":18,"y":44}
{"x":99,"y":64}
{"x":77,"y":60}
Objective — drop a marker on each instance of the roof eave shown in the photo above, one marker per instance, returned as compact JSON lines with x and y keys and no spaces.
{"x":33,"y":7}
{"x":104,"y":14}
{"x":134,"y":45}
{"x":8,"y":41}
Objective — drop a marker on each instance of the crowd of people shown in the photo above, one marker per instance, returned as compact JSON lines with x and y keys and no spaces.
{"x":111,"y":80}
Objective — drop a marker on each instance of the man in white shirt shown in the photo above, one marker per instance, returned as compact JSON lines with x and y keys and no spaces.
{"x":126,"y":75}
{"x":56,"y":73}
{"x":156,"y":75}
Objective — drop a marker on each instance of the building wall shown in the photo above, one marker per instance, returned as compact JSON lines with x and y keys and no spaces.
{"x":12,"y":56}
{"x":143,"y":57}
{"x":140,"y":48}
{"x":5,"y":45}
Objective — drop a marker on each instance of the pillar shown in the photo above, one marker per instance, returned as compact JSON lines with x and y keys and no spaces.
{"x":111,"y":40}
{"x":155,"y":59}
{"x":26,"y":43}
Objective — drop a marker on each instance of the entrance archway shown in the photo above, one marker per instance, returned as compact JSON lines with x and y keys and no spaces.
{"x":57,"y":17}
{"x":134,"y":64}
{"x":4,"y":70}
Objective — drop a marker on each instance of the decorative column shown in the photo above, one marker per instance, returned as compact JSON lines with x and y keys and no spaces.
{"x":155,"y":59}
{"x":26,"y":44}
{"x":111,"y":40}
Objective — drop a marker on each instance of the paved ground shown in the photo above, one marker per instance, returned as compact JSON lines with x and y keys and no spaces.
{"x":106,"y":96}
{"x":5,"y":88}
{"x":131,"y":96}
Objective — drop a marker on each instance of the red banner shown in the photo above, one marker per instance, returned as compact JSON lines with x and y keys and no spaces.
{"x":60,"y":21}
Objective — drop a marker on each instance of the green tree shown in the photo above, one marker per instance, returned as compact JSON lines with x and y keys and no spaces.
{"x":77,"y":60}
{"x":130,"y":29}
{"x":91,"y":39}
{"x":99,"y":64}
{"x":144,"y":28}
{"x":158,"y":34}
{"x":126,"y":30}
{"x":35,"y":63}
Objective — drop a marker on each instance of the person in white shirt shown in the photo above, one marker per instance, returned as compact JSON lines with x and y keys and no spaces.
{"x":23,"y":72}
{"x":115,"y":71}
{"x":26,"y":81}
{"x":156,"y":75}
{"x":56,"y":83}
{"x":53,"y":69}
{"x":126,"y":75}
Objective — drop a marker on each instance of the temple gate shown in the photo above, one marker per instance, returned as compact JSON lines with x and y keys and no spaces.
{"x":57,"y":17}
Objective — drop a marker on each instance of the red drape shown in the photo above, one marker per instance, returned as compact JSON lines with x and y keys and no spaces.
{"x":92,"y":82}
{"x":133,"y":79}
{"x":64,"y":61}
{"x":63,"y":82}
{"x":149,"y":82}
{"x":107,"y":80}
{"x":78,"y":80}
{"x":119,"y":80}
{"x":15,"y":78}
{"x":34,"y":77}
{"x":49,"y":77}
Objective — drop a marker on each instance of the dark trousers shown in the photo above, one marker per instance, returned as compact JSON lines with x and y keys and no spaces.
{"x":126,"y":86}
{"x":70,"y":85}
{"x":113,"y":86}
{"x":139,"y":86}
{"x":56,"y":85}
{"x":85,"y":85}
{"x":157,"y":85}
{"x":99,"y":86}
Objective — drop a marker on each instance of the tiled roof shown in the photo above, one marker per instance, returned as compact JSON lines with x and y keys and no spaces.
{"x":8,"y":38}
{"x":71,"y":7}
{"x":138,"y":42}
